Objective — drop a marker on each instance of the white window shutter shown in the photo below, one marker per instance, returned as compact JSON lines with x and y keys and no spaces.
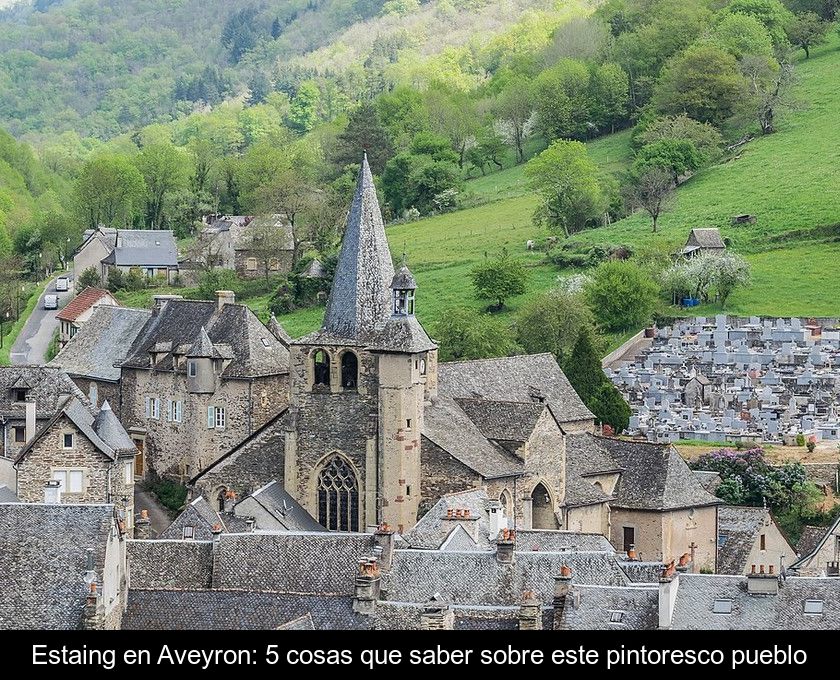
{"x":169,"y":410}
{"x":148,"y":407}
{"x":211,"y":417}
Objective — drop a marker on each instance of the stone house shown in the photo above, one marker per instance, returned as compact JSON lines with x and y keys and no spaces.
{"x":822,"y":556}
{"x":92,"y":357}
{"x":30,"y":396}
{"x":199,"y":378}
{"x":235,"y":242}
{"x":703,"y":241}
{"x":152,"y":251}
{"x":63,"y":566}
{"x":747,"y":537}
{"x":79,"y":310}
{"x":697,"y":391}
{"x":660,"y":509}
{"x":88,"y":452}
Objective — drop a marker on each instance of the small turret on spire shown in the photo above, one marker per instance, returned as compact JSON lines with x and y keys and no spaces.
{"x":403,"y":287}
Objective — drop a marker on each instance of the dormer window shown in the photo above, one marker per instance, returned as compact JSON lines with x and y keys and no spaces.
{"x":19,"y":394}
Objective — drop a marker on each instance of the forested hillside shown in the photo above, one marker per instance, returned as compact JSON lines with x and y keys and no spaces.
{"x":103,"y":67}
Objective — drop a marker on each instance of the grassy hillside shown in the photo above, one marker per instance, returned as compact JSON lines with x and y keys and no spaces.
{"x":789,"y":180}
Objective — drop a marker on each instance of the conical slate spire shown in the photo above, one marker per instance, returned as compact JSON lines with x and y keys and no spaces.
{"x":360,"y":299}
{"x":202,"y":347}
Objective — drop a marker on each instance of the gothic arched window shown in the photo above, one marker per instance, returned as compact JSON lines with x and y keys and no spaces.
{"x":321,"y":368}
{"x":349,"y":371}
{"x":338,"y":496}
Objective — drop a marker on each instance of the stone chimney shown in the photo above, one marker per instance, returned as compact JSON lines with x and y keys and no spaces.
{"x":562,"y":584}
{"x":250,"y":523}
{"x":366,"y":587}
{"x":31,"y":419}
{"x":224,"y":297}
{"x":93,"y":617}
{"x":143,"y":526}
{"x":230,"y":501}
{"x":530,"y":612}
{"x":383,"y":538}
{"x":215,"y":556}
{"x":436,"y":615}
{"x":506,"y":546}
{"x":496,"y":519}
{"x":52,"y":492}
{"x":764,"y":581}
{"x":669,"y":583}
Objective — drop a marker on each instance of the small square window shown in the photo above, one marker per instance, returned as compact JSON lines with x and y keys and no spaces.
{"x":20,"y":434}
{"x":722,"y":607}
{"x":188,"y":533}
{"x":20,"y":395}
{"x":68,"y":440}
{"x":721,"y":540}
{"x":408,"y":423}
{"x":616,"y":617}
{"x":813,"y":607}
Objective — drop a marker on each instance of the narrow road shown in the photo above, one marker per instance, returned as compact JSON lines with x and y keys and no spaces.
{"x":34,"y":339}
{"x":159,"y":517}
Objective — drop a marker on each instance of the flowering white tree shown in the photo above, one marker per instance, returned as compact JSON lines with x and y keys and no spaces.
{"x":731,"y":271}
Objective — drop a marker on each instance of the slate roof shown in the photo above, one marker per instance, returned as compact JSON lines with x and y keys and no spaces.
{"x":594,"y":608}
{"x":585,"y":456}
{"x":547,"y":540}
{"x":477,"y":578}
{"x":315,"y":270}
{"x":525,"y":378}
{"x":102,"y":342}
{"x":834,"y":529}
{"x":360,"y":304}
{"x":237,"y":609}
{"x":82,"y":302}
{"x":103,"y":430}
{"x":738,"y":530}
{"x":288,"y":513}
{"x":705,"y":238}
{"x":43,"y":559}
{"x":709,"y":479}
{"x":278,"y":330}
{"x":403,"y":279}
{"x":641,"y":572}
{"x":360,"y":299}
{"x":447,"y":426}
{"x":406,"y":616}
{"x":199,"y":515}
{"x":503,"y":420}
{"x":697,"y":593}
{"x":49,"y":386}
{"x":7,"y":495}
{"x":654,"y":477}
{"x":810,"y":538}
{"x":321,"y":563}
{"x":142,"y":247}
{"x":234,"y":331}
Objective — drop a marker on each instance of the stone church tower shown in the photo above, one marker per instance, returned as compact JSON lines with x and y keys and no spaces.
{"x":358,"y":385}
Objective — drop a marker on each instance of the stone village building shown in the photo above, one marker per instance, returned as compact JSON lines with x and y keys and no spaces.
{"x":77,"y":312}
{"x":92,"y":356}
{"x":152,"y":251}
{"x":81,"y":455}
{"x":199,"y":377}
{"x":377,"y":431}
{"x":232,"y":242}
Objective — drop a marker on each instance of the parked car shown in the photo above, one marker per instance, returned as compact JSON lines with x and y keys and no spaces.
{"x":51,"y":302}
{"x":62,"y":284}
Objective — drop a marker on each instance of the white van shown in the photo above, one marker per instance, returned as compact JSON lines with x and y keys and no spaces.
{"x":62,"y":284}
{"x":51,"y":302}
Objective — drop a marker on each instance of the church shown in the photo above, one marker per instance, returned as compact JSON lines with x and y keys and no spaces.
{"x":377,"y":431}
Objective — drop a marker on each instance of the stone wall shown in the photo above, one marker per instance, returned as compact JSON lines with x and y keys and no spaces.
{"x":588,"y":519}
{"x":284,"y":258}
{"x":8,"y":446}
{"x":442,"y":474}
{"x":105,"y":391}
{"x":170,"y":565}
{"x":648,"y":527}
{"x":255,"y":463}
{"x":185,"y":448}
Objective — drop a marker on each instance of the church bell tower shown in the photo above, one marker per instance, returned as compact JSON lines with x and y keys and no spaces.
{"x":353,"y":434}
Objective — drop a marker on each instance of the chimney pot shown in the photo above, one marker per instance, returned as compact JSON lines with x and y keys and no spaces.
{"x":770,"y":569}
{"x":144,"y":514}
{"x":761,"y":569}
{"x":52,"y":492}
{"x":752,"y":570}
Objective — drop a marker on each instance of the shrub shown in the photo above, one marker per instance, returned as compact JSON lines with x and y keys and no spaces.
{"x":466,"y":334}
{"x":89,"y":278}
{"x":621,"y":295}
{"x":171,"y":494}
